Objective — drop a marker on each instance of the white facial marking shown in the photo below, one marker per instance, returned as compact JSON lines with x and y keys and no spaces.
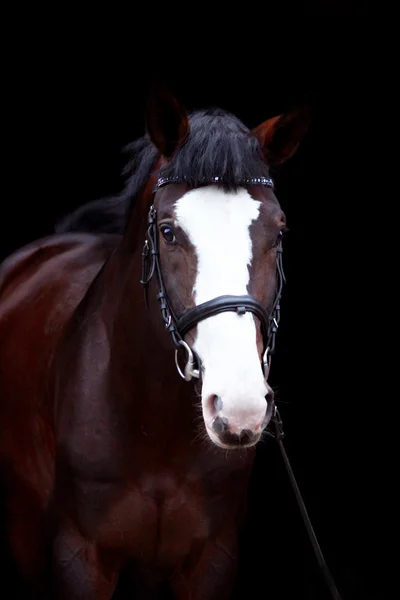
{"x":217,"y":224}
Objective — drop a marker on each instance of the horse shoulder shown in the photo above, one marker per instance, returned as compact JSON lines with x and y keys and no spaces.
{"x":40,"y":286}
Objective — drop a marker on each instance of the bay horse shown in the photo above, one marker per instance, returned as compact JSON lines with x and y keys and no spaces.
{"x":129,"y":420}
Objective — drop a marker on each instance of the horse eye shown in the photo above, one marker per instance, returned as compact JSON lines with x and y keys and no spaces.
{"x":168,"y":234}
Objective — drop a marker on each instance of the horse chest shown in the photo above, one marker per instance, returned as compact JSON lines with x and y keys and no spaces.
{"x":155,"y":520}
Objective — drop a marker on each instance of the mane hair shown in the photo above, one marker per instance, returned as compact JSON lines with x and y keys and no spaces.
{"x":218,"y":145}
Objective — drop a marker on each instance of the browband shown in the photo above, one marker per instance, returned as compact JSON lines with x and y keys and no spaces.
{"x":249,"y":181}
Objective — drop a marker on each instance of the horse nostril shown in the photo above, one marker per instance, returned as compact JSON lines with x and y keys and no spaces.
{"x":218,"y":404}
{"x":214,"y":404}
{"x":270,"y":409}
{"x":269,"y":397}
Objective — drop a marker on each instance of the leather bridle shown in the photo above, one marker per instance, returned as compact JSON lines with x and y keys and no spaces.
{"x":178,"y":327}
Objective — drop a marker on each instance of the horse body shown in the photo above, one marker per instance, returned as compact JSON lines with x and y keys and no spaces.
{"x":110,"y":461}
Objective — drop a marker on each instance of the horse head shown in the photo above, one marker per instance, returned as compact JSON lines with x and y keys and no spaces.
{"x":214,"y":243}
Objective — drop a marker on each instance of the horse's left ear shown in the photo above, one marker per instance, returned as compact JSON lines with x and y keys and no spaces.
{"x":167,"y":121}
{"x":280,"y":136}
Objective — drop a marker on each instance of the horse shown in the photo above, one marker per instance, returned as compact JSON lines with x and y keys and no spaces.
{"x":134,"y":364}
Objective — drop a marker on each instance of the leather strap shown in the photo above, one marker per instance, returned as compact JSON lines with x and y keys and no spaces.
{"x":238,"y":304}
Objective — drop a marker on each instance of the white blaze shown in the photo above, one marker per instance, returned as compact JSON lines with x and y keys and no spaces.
{"x":217,"y":224}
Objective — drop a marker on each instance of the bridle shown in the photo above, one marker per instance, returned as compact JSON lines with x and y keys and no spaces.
{"x":178,"y":327}
{"x":269,"y":322}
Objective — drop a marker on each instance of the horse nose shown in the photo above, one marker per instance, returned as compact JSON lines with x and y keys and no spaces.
{"x":238,"y":419}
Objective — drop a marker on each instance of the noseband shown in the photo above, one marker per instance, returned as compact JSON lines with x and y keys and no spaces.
{"x":178,"y":327}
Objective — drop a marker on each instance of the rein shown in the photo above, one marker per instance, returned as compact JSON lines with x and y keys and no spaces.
{"x":178,"y":327}
{"x":330,"y":582}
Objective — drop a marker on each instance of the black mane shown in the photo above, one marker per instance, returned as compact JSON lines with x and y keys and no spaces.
{"x":218,"y":144}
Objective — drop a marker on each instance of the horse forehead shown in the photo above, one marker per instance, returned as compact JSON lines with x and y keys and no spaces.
{"x":211,"y":211}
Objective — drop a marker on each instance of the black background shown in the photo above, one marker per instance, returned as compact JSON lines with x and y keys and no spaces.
{"x":67,"y":118}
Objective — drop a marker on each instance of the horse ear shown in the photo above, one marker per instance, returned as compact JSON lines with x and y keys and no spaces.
{"x":280,"y":136}
{"x":167,"y":121}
